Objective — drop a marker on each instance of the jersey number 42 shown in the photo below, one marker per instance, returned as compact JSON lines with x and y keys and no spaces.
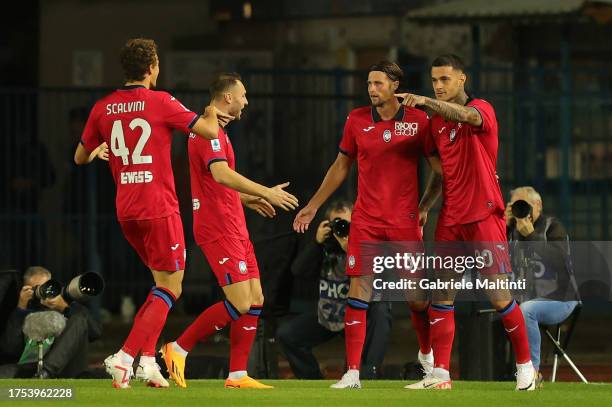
{"x":118,"y":142}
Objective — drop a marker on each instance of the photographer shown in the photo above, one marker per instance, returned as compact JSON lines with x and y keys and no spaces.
{"x":325,"y":259}
{"x":67,"y":355}
{"x":540,"y":252}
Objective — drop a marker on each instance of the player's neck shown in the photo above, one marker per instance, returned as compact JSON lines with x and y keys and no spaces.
{"x":388,"y":110}
{"x":461,"y":98}
{"x":221,"y":107}
{"x":146,"y":83}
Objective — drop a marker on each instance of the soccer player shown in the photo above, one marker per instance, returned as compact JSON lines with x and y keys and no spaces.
{"x":465,"y":133}
{"x":387,"y":140}
{"x":219,"y":226}
{"x":135,"y":123}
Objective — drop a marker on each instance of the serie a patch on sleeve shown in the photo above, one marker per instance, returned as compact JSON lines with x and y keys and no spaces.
{"x":216,"y":146}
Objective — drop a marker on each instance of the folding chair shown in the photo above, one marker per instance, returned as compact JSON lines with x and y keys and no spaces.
{"x":560,"y":348}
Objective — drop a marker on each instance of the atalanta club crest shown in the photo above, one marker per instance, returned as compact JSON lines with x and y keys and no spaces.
{"x":351,"y":261}
{"x":387,"y":135}
{"x":243,"y":267}
{"x":452,"y":135}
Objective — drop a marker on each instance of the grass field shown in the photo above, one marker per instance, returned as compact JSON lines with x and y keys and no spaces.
{"x":316,"y":393}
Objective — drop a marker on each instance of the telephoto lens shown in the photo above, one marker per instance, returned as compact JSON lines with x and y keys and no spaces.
{"x":49,"y":289}
{"x":521,"y":209}
{"x":340,"y":227}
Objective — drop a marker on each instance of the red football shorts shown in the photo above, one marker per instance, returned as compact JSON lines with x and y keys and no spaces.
{"x":486,"y":238}
{"x":160,"y":243}
{"x":231,"y":260}
{"x":365,"y":242}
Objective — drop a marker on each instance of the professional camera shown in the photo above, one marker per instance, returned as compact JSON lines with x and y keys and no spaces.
{"x":80,"y":288}
{"x":49,"y":289}
{"x":521,"y":209}
{"x":340,"y":227}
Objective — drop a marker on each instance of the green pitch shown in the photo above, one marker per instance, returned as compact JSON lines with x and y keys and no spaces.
{"x":296,"y":393}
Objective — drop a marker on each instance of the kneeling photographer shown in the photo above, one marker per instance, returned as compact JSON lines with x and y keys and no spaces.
{"x":540,"y":253}
{"x":325,"y":259}
{"x":49,"y":322}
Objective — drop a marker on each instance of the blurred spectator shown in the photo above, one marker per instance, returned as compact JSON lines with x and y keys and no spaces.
{"x":67,"y":355}
{"x":540,"y":254}
{"x":325,"y":259}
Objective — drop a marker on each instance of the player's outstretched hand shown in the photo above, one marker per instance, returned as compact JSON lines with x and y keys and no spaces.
{"x":103,"y":151}
{"x":304,"y":218}
{"x":261,"y":206}
{"x":411,"y":100}
{"x":277,"y":196}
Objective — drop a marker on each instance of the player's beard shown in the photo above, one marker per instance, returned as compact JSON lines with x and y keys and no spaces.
{"x":379,"y":102}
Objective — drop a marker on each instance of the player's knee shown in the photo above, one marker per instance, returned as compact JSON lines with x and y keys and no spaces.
{"x":242,"y":305}
{"x":177,"y":291}
{"x":257,"y":299}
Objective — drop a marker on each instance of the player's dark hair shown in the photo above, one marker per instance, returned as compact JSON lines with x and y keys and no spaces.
{"x":338,"y":205}
{"x":449,"y":60}
{"x":391,"y":69}
{"x":222,"y":83}
{"x":136,"y":56}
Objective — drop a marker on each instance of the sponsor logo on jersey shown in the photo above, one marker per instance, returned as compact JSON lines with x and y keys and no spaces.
{"x":387,"y":135}
{"x":196,"y":204}
{"x":223,"y":260}
{"x":409,"y":129}
{"x":216,"y":146}
{"x":136,"y":177}
{"x":175,"y":246}
{"x":242,"y":267}
{"x":368,"y":128}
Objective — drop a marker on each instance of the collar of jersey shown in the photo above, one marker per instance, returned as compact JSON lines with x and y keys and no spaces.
{"x":399,"y":116}
{"x":130,"y":87}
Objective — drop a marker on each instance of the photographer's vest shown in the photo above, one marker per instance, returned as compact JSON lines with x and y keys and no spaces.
{"x":541,"y":278}
{"x":333,"y":292}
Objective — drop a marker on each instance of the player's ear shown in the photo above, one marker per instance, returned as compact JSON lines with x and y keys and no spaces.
{"x":395,"y":85}
{"x":462,"y":77}
{"x":227,"y":96}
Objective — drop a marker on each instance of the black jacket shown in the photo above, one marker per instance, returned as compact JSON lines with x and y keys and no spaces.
{"x":12,"y":338}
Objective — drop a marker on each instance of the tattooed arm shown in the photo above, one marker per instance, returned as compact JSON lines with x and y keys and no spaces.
{"x":449,"y":111}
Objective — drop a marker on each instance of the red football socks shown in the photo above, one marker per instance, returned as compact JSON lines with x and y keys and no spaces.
{"x":442,"y":332}
{"x":354,"y":331}
{"x":213,"y":319}
{"x":420,"y":323}
{"x":514,"y":324}
{"x":242,"y":335}
{"x":149,"y":320}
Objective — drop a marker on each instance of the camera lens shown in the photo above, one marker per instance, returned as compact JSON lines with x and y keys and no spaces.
{"x":521,"y":209}
{"x":340,"y":227}
{"x":49,"y":289}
